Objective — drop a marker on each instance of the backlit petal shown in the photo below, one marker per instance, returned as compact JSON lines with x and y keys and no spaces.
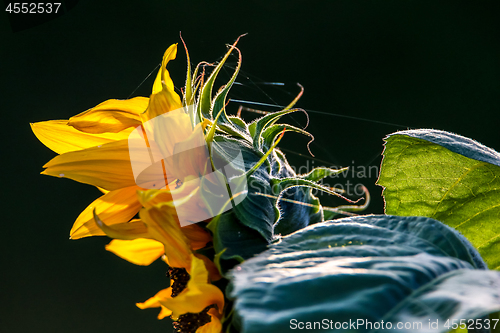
{"x":111,"y":116}
{"x":149,"y":198}
{"x":131,"y":230}
{"x":190,"y":156}
{"x":114,"y":207}
{"x":163,"y":75}
{"x":154,"y":302}
{"x":165,"y":228}
{"x":62,"y":138}
{"x":107,"y":166}
{"x":169,"y":130}
{"x":160,"y":103}
{"x":198,"y":237}
{"x":186,"y":190}
{"x":139,"y":251}
{"x":163,"y":98}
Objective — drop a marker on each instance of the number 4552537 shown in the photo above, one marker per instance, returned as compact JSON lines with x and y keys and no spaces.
{"x":33,"y":8}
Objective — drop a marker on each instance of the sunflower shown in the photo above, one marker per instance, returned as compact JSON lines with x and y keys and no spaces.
{"x":95,"y":148}
{"x":131,"y":150}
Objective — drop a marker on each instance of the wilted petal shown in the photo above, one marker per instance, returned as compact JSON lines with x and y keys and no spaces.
{"x":117,"y":206}
{"x":111,"y":116}
{"x":58,"y":136}
{"x":139,"y":251}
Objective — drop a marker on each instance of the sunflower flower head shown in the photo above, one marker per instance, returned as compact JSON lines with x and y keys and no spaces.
{"x":184,"y":181}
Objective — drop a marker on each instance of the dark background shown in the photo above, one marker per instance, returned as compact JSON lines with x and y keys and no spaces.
{"x":432,"y":64}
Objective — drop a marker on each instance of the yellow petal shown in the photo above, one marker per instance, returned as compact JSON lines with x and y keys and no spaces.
{"x":190,"y":206}
{"x":154,"y":302}
{"x":163,"y":75}
{"x":213,"y":272}
{"x":58,"y":136}
{"x":163,"y":227}
{"x":197,"y":236}
{"x":160,"y":103}
{"x":139,"y":251}
{"x":111,"y":116}
{"x":107,"y":166}
{"x":190,"y":152}
{"x":170,"y":129}
{"x":198,"y":293}
{"x":131,"y":230}
{"x":153,"y":197}
{"x":163,"y":98}
{"x":150,"y":198}
{"x":214,"y":326}
{"x":114,"y":207}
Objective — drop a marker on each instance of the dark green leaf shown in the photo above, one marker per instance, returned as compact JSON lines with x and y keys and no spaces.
{"x":371,"y":268}
{"x":234,"y":239}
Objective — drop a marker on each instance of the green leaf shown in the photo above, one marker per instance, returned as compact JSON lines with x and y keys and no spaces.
{"x":448,"y":177}
{"x":445,"y":298}
{"x":371,"y":268}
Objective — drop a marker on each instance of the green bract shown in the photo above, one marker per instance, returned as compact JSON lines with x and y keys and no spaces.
{"x":295,"y":268}
{"x":448,"y":177}
{"x":261,"y":218}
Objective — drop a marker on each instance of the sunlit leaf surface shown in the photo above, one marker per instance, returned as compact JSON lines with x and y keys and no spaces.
{"x":448,"y":177}
{"x":371,"y":268}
